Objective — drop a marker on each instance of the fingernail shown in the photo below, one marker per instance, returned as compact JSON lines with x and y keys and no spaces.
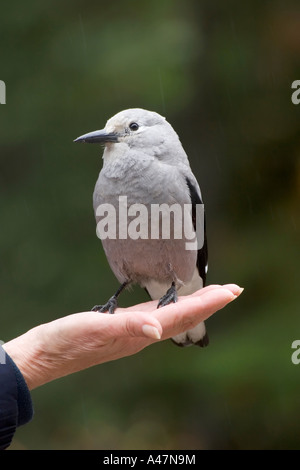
{"x":151,"y":332}
{"x":238,"y":293}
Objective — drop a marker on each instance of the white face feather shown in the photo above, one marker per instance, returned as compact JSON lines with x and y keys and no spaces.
{"x":136,"y":126}
{"x":147,"y":132}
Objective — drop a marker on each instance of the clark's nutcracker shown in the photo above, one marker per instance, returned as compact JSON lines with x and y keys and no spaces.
{"x":144,"y":160}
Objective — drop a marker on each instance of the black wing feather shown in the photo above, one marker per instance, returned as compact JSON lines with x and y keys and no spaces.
{"x":202,"y":252}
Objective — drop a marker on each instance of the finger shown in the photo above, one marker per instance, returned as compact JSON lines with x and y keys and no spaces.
{"x":189,"y":311}
{"x":234,"y":288}
{"x":147,"y":306}
{"x":152,"y":304}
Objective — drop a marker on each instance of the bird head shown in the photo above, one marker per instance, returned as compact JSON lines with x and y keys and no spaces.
{"x":136,"y":128}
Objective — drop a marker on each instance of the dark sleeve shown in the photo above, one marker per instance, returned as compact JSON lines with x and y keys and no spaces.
{"x":15,"y":400}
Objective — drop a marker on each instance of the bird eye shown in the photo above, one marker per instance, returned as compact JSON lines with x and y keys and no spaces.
{"x":133,"y":126}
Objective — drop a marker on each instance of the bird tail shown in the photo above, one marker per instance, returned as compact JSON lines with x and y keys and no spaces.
{"x":196,"y":336}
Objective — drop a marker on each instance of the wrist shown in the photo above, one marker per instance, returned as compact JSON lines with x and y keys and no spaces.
{"x":28,"y":354}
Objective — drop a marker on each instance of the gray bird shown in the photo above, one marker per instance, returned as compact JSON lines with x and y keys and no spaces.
{"x":144,"y":160}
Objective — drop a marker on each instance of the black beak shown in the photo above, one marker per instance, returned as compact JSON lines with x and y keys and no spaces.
{"x":98,"y":137}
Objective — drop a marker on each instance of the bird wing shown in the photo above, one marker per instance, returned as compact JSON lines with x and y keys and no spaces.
{"x":202,"y":256}
{"x":196,"y":335}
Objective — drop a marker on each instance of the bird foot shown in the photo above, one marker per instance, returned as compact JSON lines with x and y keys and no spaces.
{"x":109,"y":307}
{"x":169,"y":297}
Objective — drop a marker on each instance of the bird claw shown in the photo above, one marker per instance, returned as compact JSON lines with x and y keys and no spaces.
{"x":109,"y":307}
{"x":169,"y":297}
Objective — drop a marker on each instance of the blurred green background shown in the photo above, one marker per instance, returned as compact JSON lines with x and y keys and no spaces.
{"x":221,"y":72}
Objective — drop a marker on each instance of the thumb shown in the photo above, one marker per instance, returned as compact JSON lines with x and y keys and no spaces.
{"x":141,"y":325}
